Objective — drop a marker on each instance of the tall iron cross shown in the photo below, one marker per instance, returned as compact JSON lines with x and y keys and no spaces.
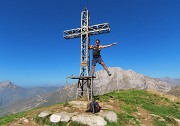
{"x":85,"y":32}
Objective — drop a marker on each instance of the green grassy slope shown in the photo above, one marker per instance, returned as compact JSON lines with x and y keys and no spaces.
{"x":133,"y":102}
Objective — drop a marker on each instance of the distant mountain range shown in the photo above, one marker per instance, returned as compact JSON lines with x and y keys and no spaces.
{"x":175,"y":90}
{"x":11,"y":93}
{"x":171,"y":80}
{"x":18,"y":99}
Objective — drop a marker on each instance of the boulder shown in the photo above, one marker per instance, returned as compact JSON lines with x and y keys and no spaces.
{"x":91,"y":120}
{"x":63,"y":117}
{"x":82,"y":105}
{"x":177,"y":121}
{"x":44,"y":114}
{"x":55,"y":117}
{"x":109,"y":115}
{"x":158,"y":117}
{"x":66,"y":117}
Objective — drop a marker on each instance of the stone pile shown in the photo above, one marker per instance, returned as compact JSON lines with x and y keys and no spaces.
{"x":97,"y":119}
{"x":84,"y":118}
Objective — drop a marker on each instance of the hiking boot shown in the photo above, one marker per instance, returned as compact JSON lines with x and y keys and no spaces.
{"x":109,"y":73}
{"x":93,"y":76}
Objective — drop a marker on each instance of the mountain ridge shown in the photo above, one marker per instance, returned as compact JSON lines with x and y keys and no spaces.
{"x":171,"y":80}
{"x":11,"y":93}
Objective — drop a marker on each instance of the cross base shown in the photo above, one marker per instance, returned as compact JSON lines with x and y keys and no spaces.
{"x":84,"y":82}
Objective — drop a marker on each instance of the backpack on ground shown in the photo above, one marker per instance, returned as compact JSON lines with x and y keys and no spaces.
{"x":94,"y":107}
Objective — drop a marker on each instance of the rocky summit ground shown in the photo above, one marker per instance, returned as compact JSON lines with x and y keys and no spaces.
{"x":119,"y":108}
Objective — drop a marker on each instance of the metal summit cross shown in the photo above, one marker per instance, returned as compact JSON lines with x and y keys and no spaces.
{"x":85,"y":32}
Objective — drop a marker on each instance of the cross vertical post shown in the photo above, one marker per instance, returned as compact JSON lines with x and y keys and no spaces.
{"x":85,"y":39}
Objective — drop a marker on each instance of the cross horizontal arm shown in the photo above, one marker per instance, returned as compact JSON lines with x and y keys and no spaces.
{"x":91,"y":30}
{"x":99,"y":29}
{"x":73,"y":33}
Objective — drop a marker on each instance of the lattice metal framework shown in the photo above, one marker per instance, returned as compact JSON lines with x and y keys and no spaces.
{"x":85,"y":32}
{"x":85,"y":80}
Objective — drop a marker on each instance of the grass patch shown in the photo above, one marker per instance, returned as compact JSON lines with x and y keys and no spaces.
{"x":159,"y":123}
{"x":40,"y":120}
{"x":129,"y":100}
{"x":67,"y":105}
{"x":112,"y":123}
{"x":72,"y":123}
{"x":10,"y":118}
{"x":150,"y":102}
{"x":124,"y":118}
{"x":129,"y":108}
{"x":162,"y":110}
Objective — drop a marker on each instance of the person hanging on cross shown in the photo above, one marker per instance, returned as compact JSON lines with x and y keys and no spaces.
{"x":96,"y":49}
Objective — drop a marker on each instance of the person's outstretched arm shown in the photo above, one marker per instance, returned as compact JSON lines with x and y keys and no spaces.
{"x":91,"y":47}
{"x":105,"y":46}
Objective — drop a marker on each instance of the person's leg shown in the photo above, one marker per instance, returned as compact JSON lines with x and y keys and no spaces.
{"x":93,"y":67}
{"x":105,"y":67}
{"x":94,"y":61}
{"x":100,"y":61}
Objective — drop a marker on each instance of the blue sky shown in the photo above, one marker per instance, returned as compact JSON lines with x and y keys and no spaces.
{"x":33,"y":51}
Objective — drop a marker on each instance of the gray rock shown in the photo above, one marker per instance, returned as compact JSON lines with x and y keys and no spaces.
{"x":162,"y":120}
{"x":55,"y":117}
{"x":44,"y":114}
{"x":61,"y":117}
{"x":109,"y":115}
{"x":91,"y":120}
{"x":66,"y":117}
{"x":79,"y":104}
{"x":25,"y":120}
{"x":177,"y":121}
{"x":158,"y":117}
